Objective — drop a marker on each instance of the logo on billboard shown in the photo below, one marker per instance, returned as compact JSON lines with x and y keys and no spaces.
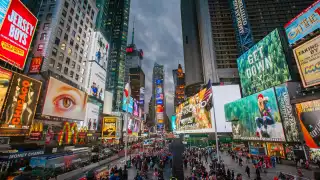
{"x":35,"y":66}
{"x":303,"y":24}
{"x":307,"y":57}
{"x":18,"y":27}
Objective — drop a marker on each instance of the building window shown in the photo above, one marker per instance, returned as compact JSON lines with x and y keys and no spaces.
{"x":70,"y":19}
{"x":85,"y":27}
{"x":57,"y":41}
{"x":66,"y":4}
{"x":43,"y":36}
{"x":65,"y":37}
{"x":63,"y":46}
{"x":82,"y":71}
{"x":68,"y":61}
{"x":81,"y":51}
{"x":46,"y":26}
{"x":75,"y":55}
{"x":82,"y":42}
{"x":49,"y":17}
{"x":77,"y":47}
{"x":81,"y":22}
{"x":69,"y":51}
{"x":64,"y":13}
{"x":80,"y":30}
{"x":77,"y":77}
{"x":61,"y":22}
{"x":71,"y":42}
{"x":78,"y":38}
{"x":73,"y":33}
{"x":80,"y":59}
{"x":40,"y":47}
{"x":61,"y":56}
{"x":75,"y":25}
{"x":51,"y":7}
{"x":78,"y":68}
{"x":73,"y":64}
{"x":59,"y":67}
{"x":54,"y":51}
{"x":71,"y":74}
{"x":81,"y":79}
{"x":77,"y":17}
{"x":72,"y":11}
{"x":65,"y":70}
{"x":52,"y":62}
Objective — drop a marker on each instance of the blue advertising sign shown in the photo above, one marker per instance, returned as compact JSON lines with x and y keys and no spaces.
{"x":159,"y":96}
{"x":124,"y":105}
{"x":158,"y":81}
{"x":303,"y":24}
{"x":242,"y":25}
{"x":160,"y":126}
{"x":173,"y":122}
{"x":159,"y":90}
{"x":160,"y":102}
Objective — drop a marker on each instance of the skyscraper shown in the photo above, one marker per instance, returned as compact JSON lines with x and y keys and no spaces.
{"x":179,"y":85}
{"x":137,"y":80}
{"x":102,"y":17}
{"x":117,"y":30}
{"x":158,"y":93}
{"x":199,"y":57}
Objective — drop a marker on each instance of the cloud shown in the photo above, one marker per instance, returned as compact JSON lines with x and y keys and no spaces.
{"x":158,"y":33}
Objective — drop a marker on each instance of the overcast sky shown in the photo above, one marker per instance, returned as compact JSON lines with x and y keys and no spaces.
{"x":158,"y":33}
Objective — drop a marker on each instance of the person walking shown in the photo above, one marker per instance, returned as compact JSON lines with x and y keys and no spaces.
{"x":248,"y":171}
{"x":258,"y":173}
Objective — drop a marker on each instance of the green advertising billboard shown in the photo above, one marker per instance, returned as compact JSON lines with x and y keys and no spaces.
{"x":256,"y":117}
{"x":264,"y":65}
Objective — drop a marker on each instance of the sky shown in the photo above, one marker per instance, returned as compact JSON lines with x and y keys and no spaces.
{"x":158,"y":34}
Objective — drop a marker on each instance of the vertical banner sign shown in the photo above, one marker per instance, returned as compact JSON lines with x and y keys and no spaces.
{"x":35,"y":66}
{"x":303,"y":24}
{"x":241,"y":22}
{"x":17,"y":29}
{"x":109,"y":127}
{"x":308,"y":114}
{"x":307,"y":57}
{"x":288,"y":120}
{"x":21,"y":103}
{"x":5,"y":77}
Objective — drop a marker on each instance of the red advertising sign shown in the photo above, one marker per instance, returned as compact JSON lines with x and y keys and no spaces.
{"x":16,"y":34}
{"x":35,"y":65}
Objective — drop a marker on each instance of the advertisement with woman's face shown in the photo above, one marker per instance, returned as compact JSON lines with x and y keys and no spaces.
{"x":63,"y":100}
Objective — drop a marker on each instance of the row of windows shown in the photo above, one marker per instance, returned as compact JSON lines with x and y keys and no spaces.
{"x":58,"y":66}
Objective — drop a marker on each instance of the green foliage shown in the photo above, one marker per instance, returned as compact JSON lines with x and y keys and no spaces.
{"x":270,"y":77}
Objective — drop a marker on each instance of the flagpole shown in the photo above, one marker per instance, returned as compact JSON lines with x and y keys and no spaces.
{"x":127,"y":119}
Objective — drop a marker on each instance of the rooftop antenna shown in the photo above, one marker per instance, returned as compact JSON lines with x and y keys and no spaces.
{"x":134,"y":18}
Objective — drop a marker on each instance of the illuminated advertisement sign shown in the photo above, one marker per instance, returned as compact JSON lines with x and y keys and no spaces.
{"x":5,"y":77}
{"x":135,"y":108}
{"x":97,"y":80}
{"x":260,"y":120}
{"x":241,"y":22}
{"x":127,"y":107}
{"x":35,"y":66}
{"x":264,"y":65}
{"x":159,"y":108}
{"x":194,"y":115}
{"x":308,"y":114}
{"x":158,"y":81}
{"x":21,"y":103}
{"x":91,"y":120}
{"x":141,"y":100}
{"x":17,"y":29}
{"x":303,"y":24}
{"x":160,"y":102}
{"x":173,"y":122}
{"x":63,"y":100}
{"x":109,"y":127}
{"x":307,"y":57}
{"x":159,"y":90}
{"x":159,"y":97}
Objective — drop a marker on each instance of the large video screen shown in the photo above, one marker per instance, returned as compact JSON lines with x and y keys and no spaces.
{"x":194,"y":115}
{"x":264,"y":65}
{"x":109,"y":127}
{"x":97,"y":80}
{"x":308,"y":114}
{"x":127,"y":107}
{"x":63,"y":100}
{"x":256,"y":117}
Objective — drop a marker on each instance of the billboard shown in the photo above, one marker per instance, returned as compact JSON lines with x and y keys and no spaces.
{"x":136,"y":127}
{"x":135,"y":108}
{"x":264,"y":65}
{"x":173,"y":122}
{"x":308,"y":114}
{"x":35,"y":66}
{"x":65,"y":101}
{"x":141,"y":100}
{"x":242,"y":25}
{"x":21,"y":103}
{"x":127,"y":107}
{"x":159,"y":108}
{"x":159,"y":81}
{"x":159,"y":90}
{"x":96,"y":80}
{"x":107,"y":103}
{"x":5,"y":78}
{"x":288,"y":119}
{"x":256,"y":117}
{"x":307,"y":57}
{"x":91,"y":120}
{"x":160,"y":102}
{"x":159,"y":97}
{"x":16,"y":32}
{"x":303,"y":24}
{"x":109,"y":127}
{"x":195,"y":115}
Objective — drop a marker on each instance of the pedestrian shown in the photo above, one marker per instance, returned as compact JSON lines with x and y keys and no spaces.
{"x":258,"y":173}
{"x":232,"y":174}
{"x":248,"y":171}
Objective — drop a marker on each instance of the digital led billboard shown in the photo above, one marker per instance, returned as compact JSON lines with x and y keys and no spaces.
{"x":303,"y":24}
{"x":307,"y":57}
{"x":21,"y":103}
{"x":91,"y":120}
{"x":173,"y":122}
{"x":17,"y":29}
{"x":127,"y":107}
{"x":109,"y":127}
{"x":264,"y":65}
{"x":256,"y":117}
{"x":35,"y":66}
{"x":63,"y":100}
{"x":97,"y":80}
{"x":135,"y":108}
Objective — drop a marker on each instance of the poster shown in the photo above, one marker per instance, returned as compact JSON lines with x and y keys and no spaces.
{"x":63,"y":100}
{"x":5,"y":77}
{"x":194,"y":115}
{"x":264,"y":65}
{"x":109,"y":127}
{"x":21,"y":103}
{"x":308,"y":114}
{"x":35,"y":66}
{"x":97,"y":80}
{"x":16,"y":32}
{"x":256,"y":117}
{"x":307,"y":57}
{"x":92,"y":117}
{"x":289,"y":121}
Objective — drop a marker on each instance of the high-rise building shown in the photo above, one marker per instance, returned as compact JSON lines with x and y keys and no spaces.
{"x":33,"y":5}
{"x":137,"y":80}
{"x":158,"y":93}
{"x":231,"y":37}
{"x":117,"y":30}
{"x":102,"y":17}
{"x":179,"y":85}
{"x":64,"y":33}
{"x":199,"y":57}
